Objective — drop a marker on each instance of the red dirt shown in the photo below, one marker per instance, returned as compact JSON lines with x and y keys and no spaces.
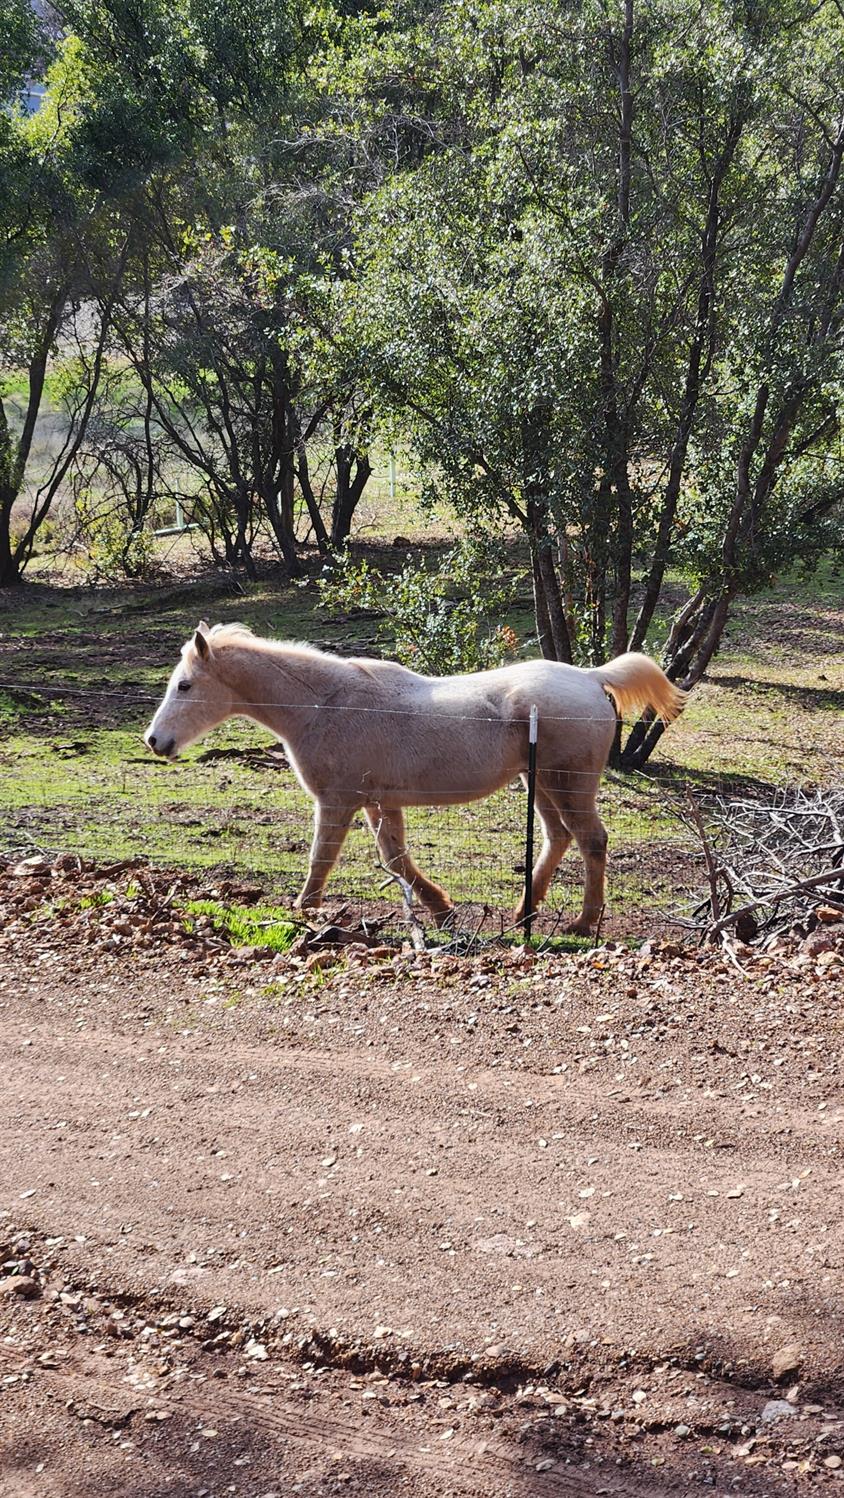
{"x":478,"y":1227}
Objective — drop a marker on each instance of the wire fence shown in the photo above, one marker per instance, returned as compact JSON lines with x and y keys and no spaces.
{"x":236,"y":812}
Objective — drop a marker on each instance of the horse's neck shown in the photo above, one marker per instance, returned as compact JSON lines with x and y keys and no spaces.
{"x":280,"y":688}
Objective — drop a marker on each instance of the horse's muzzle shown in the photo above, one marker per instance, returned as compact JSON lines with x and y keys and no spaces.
{"x":163,"y":748}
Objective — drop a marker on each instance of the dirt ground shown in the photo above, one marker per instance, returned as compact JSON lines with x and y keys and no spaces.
{"x":383,"y":1223}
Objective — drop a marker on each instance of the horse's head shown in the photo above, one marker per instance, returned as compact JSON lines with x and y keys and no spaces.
{"x":196,"y":700}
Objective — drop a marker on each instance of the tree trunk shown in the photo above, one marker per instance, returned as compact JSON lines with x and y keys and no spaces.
{"x":348,"y":492}
{"x":551,"y":625}
{"x":540,"y":610}
{"x":10,"y":574}
{"x":303,"y":474}
{"x":694,"y":639}
{"x":699,"y":364}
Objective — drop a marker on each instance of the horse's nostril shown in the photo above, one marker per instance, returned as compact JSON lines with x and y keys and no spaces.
{"x":151,"y":740}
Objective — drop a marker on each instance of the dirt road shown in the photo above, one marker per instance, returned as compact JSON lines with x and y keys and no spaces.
{"x":499,"y":1229}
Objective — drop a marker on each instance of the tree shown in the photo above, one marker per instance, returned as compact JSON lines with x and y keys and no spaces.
{"x":600,"y":292}
{"x":235,"y":231}
{"x":55,"y":239}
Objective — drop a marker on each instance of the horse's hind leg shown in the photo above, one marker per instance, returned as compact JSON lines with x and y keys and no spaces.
{"x":578,"y":811}
{"x":388,"y":829}
{"x":556,"y":838}
{"x":331,"y":823}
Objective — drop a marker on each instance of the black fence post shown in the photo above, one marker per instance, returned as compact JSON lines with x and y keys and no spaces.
{"x":531,"y":814}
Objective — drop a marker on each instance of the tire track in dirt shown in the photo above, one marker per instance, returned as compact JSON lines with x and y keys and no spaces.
{"x":482,"y":1466}
{"x":479,"y":1207}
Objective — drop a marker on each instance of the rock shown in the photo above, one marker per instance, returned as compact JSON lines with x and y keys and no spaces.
{"x":20,"y":1287}
{"x":256,"y":1350}
{"x":35,"y":867}
{"x":747,"y":927}
{"x":818,"y":942}
{"x":682,"y":1431}
{"x":829,"y":914}
{"x":323,"y":958}
{"x":832,"y":1462}
{"x":788,"y":1360}
{"x":776,"y":1409}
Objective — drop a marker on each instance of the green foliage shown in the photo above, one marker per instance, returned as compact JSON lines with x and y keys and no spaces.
{"x":22,"y":45}
{"x":573,"y":326}
{"x":107,"y":544}
{"x":439,"y":620}
{"x":245,"y":926}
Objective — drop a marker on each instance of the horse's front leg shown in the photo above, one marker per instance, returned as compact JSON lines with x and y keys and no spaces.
{"x":388,"y":830}
{"x":331,"y":823}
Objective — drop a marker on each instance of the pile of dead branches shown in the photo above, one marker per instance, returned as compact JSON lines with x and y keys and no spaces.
{"x":769,"y":860}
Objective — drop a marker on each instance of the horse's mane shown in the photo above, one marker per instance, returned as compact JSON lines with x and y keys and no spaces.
{"x":221,"y":633}
{"x":235,"y":634}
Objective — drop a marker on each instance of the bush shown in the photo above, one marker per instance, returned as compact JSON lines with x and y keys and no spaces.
{"x":114,"y":548}
{"x":440,"y":620}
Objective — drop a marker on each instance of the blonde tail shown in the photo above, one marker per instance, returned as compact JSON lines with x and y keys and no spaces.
{"x":635,"y":681}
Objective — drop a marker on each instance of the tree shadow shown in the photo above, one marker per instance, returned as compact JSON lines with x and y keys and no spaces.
{"x":817,"y":698}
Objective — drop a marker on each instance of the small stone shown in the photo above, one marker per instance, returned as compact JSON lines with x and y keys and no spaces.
{"x":776,"y":1409}
{"x":256,"y":1350}
{"x":324,"y":958}
{"x":832,"y":1462}
{"x":20,"y":1287}
{"x":786,"y":1361}
{"x":682,"y":1431}
{"x":35,"y":867}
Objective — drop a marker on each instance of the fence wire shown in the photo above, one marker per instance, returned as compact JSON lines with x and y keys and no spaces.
{"x":235,"y":812}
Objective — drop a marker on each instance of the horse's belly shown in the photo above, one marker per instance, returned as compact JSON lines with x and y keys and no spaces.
{"x":449,"y":780}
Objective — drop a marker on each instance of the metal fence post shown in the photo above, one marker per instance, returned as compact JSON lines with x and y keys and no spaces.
{"x":531,"y":813}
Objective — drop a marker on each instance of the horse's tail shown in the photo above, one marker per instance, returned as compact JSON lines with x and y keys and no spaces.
{"x":634,"y":682}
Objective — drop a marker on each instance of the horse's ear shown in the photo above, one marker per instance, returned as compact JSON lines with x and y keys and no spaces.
{"x":205,"y":628}
{"x":200,"y":641}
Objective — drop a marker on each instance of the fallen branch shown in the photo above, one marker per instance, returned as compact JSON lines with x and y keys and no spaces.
{"x":815,"y":882}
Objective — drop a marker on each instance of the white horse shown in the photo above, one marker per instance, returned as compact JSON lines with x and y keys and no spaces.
{"x":370,"y":735}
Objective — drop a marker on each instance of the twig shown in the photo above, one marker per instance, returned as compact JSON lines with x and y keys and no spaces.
{"x":417,"y":934}
{"x":711,"y":866}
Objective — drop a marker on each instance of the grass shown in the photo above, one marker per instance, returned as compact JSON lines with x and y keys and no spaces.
{"x":74,"y":774}
{"x":244,"y":926}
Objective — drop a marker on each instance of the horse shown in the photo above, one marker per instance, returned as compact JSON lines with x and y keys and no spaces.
{"x":370,"y":735}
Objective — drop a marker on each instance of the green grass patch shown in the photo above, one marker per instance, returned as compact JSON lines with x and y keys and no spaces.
{"x":96,"y":900}
{"x":245,"y":926}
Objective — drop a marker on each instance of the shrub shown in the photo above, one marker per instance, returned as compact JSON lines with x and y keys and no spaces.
{"x":439,"y":620}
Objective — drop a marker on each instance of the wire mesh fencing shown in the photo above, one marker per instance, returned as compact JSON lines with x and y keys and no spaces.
{"x":235,"y":813}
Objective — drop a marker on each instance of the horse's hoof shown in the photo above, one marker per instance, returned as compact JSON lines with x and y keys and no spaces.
{"x":444,"y":918}
{"x":306,"y":904}
{"x":579,"y":928}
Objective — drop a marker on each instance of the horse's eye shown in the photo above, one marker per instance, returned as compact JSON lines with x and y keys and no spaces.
{"x":184,"y":686}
